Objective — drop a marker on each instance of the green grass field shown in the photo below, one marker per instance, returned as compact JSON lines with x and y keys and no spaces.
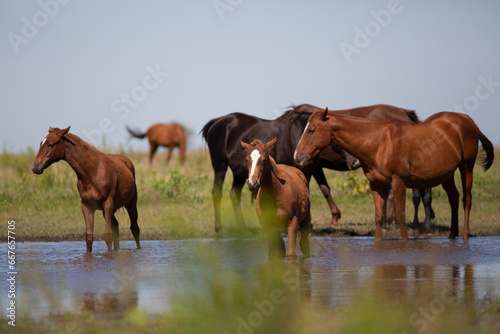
{"x":175,"y":202}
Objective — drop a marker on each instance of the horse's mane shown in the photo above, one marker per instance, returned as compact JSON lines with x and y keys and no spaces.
{"x":294,"y":112}
{"x":79,"y":141}
{"x":412,"y":115}
{"x":256,"y":142}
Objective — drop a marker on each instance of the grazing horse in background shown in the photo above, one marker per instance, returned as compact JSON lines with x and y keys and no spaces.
{"x":168,"y":135}
{"x":395,"y":155}
{"x":105,"y":181}
{"x":223,"y":135}
{"x":282,"y":199}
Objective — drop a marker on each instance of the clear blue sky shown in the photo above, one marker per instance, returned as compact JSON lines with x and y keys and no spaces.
{"x":98,"y":65}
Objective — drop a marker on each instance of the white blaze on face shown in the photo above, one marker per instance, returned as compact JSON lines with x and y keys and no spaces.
{"x":305,"y":129}
{"x":43,"y":141}
{"x":255,"y":155}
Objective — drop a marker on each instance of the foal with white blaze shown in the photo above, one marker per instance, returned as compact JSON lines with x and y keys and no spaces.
{"x":282,"y":199}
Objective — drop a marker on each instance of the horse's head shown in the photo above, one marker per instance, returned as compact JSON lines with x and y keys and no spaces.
{"x":51,"y":149}
{"x":257,"y":159}
{"x":315,"y":138}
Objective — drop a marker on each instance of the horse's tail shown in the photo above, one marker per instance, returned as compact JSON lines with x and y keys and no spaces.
{"x":412,"y":115}
{"x":207,"y":126}
{"x":486,"y":160}
{"x":136,"y":133}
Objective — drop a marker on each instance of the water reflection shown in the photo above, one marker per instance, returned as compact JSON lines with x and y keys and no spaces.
{"x":59,"y":277}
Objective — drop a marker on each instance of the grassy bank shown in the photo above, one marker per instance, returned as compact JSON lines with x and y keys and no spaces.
{"x":175,"y":202}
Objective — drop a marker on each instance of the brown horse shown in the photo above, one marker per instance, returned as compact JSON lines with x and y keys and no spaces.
{"x":168,"y":135}
{"x":395,"y":155}
{"x":282,"y":199}
{"x":224,"y":134}
{"x":105,"y":181}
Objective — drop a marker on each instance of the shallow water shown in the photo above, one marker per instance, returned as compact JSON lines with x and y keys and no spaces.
{"x":59,"y":277}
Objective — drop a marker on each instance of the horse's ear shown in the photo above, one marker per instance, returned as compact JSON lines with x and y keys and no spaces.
{"x":324,"y":119}
{"x":64,"y":132}
{"x":270,"y":144}
{"x":246,"y":146}
{"x":51,"y":129}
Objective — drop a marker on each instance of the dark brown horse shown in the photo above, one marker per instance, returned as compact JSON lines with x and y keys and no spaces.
{"x":168,"y":135}
{"x":395,"y":155}
{"x":282,"y":199}
{"x":105,"y":181}
{"x":224,"y":134}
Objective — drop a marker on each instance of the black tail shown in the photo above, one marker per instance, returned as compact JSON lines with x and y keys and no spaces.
{"x":486,"y":161}
{"x":136,"y":133}
{"x":207,"y":126}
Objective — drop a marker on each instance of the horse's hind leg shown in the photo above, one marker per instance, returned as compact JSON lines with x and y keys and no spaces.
{"x":182,"y":152}
{"x":133,"y":215}
{"x":427,"y":199}
{"x":466,"y":174}
{"x":380,"y":195}
{"x":152,"y":149}
{"x":452,"y":192}
{"x":388,"y":216}
{"x":399,"y":190}
{"x":238,"y":183}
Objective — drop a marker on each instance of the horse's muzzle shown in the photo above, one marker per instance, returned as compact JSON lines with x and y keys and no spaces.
{"x":301,"y":158}
{"x":35,"y":168}
{"x":253,"y":185}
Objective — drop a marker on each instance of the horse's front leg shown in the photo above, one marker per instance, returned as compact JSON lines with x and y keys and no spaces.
{"x":108,"y":212}
{"x":379,"y":194}
{"x":169,"y":154}
{"x":238,"y":184}
{"x":292,"y":229}
{"x":88,"y":215}
{"x":399,"y":191}
{"x":416,"y":196}
{"x":320,"y":178}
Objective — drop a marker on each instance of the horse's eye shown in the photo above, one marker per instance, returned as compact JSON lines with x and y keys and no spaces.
{"x":311,"y":131}
{"x":52,"y":145}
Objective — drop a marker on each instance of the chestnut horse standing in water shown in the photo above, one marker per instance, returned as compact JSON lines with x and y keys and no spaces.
{"x":168,"y":135}
{"x":224,"y":134}
{"x":105,"y":181}
{"x":282,"y":199}
{"x":395,"y":155}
